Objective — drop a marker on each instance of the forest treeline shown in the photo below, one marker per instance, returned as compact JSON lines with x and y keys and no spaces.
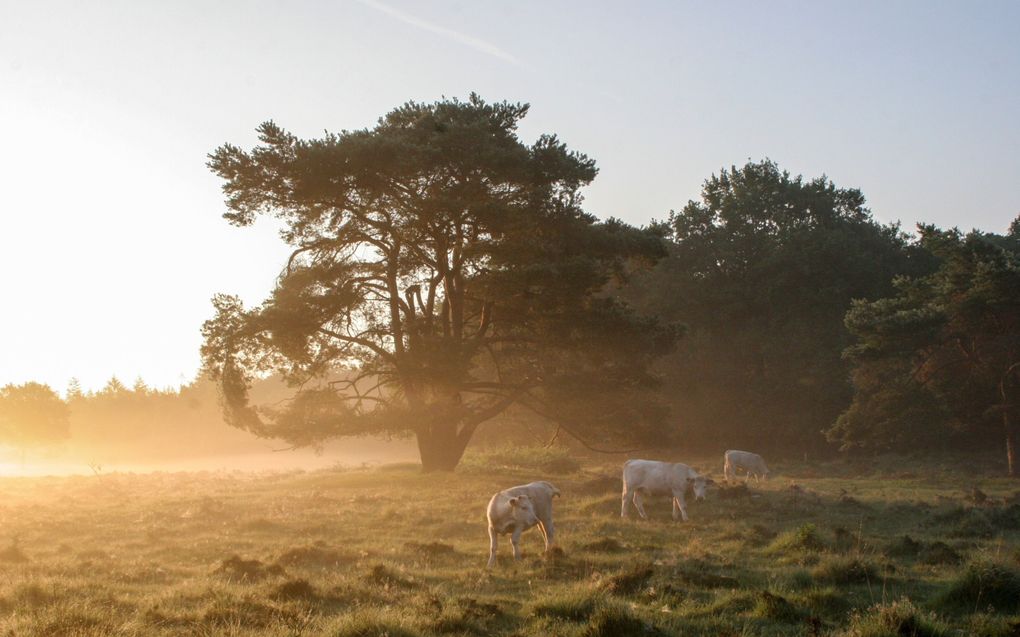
{"x":445,"y":279}
{"x":810,"y":326}
{"x":790,"y":296}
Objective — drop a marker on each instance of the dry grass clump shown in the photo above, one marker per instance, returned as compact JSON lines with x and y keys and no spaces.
{"x":904,"y":546}
{"x":371,"y":623}
{"x":630,"y":581}
{"x":555,"y":461}
{"x":803,"y":539}
{"x":238,"y":569}
{"x":430,"y":549}
{"x":600,"y":485}
{"x":574,"y":606}
{"x":734,"y":492}
{"x":845,"y":570}
{"x":933,"y":553}
{"x":773,"y":606}
{"x":74,"y":623}
{"x":698,"y":576}
{"x":387,"y":578}
{"x":827,"y":602}
{"x":940,"y":553}
{"x":989,"y":625}
{"x":898,"y":619}
{"x":244,"y":613}
{"x":317,"y":555}
{"x":295,"y":589}
{"x":982,"y":585}
{"x":604,"y":545}
{"x":616,"y":620}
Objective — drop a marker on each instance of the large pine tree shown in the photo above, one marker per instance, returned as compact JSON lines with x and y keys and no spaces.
{"x":442,"y":270}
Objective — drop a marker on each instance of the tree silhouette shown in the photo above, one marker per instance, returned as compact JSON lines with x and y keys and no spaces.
{"x":31,"y":414}
{"x":441,"y":271}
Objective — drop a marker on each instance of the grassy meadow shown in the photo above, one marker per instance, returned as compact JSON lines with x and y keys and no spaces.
{"x":868,"y":549}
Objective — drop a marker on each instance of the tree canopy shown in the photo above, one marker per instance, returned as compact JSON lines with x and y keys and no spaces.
{"x":939,"y":360}
{"x":31,"y":414}
{"x":442,"y":271}
{"x":762,"y":269}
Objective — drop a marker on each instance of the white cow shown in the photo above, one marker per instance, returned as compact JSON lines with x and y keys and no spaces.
{"x":650,"y":477}
{"x":751,"y":463}
{"x":516,"y":510}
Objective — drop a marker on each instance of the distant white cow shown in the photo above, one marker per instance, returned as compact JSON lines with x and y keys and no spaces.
{"x":649,"y":477}
{"x":516,"y":510}
{"x":751,"y":463}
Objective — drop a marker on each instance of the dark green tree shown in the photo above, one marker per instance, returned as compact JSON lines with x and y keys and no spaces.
{"x":31,"y":414}
{"x":442,"y":271}
{"x":939,"y":361}
{"x":762,"y":272}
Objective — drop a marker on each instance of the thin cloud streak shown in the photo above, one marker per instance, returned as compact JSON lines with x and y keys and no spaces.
{"x":467,"y":40}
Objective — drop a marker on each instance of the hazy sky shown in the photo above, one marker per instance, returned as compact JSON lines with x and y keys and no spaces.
{"x":112,"y":243}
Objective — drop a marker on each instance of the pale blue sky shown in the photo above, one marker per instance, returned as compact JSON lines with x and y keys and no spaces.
{"x":111,"y":241}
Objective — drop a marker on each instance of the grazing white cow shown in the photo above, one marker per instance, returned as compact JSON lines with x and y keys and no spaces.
{"x":516,"y":510}
{"x":751,"y":463}
{"x":650,"y":477}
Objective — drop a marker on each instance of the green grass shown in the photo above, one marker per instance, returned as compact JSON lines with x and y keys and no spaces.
{"x":854,"y":550}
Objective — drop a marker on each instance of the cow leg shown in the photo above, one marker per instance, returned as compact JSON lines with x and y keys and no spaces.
{"x":728,"y":472}
{"x":493,"y":541}
{"x":548,"y":532}
{"x":679,"y":503}
{"x":639,"y":505}
{"x":626,"y":500}
{"x":515,"y":541}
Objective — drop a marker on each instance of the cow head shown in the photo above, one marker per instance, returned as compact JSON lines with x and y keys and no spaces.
{"x":523,"y":510}
{"x":699,"y":484}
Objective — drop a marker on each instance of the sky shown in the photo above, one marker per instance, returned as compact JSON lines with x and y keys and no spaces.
{"x":111,"y":235}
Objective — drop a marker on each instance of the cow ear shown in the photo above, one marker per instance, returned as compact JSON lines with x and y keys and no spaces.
{"x":512,"y":502}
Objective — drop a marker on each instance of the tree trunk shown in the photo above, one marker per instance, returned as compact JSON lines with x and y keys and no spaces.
{"x":440,"y":447}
